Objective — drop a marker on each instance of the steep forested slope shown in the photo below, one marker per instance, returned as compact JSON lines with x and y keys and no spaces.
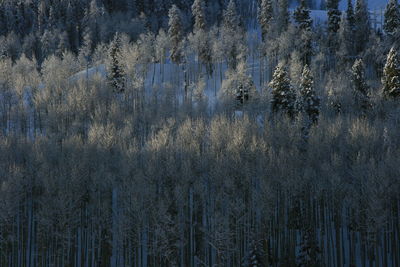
{"x":244,"y":135}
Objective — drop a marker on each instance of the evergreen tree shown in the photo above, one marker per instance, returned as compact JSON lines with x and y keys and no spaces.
{"x":230,"y":17}
{"x":305,"y":47}
{"x":362,"y":26}
{"x":333,"y":16}
{"x":85,"y":51}
{"x":391,"y":75}
{"x":309,"y":102}
{"x":238,"y":84}
{"x":140,"y":6}
{"x":392,"y":18}
{"x":283,"y":95}
{"x":63,"y":44}
{"x":200,"y":39}
{"x":265,"y":15}
{"x":71,"y":26}
{"x":131,"y":7}
{"x":245,"y":87}
{"x":350,"y":14}
{"x":116,"y":73}
{"x":302,"y":16}
{"x":94,"y":15}
{"x":42,"y":17}
{"x":48,"y":43}
{"x":283,"y":18}
{"x":175,"y":33}
{"x":254,"y":256}
{"x":346,"y":34}
{"x":360,"y":87}
{"x":232,"y":35}
{"x":309,"y":255}
{"x":198,"y":11}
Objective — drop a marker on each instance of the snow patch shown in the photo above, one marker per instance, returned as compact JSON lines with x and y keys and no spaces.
{"x":89,"y":73}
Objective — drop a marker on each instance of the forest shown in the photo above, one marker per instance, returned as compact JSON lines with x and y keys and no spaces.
{"x":237,"y":133}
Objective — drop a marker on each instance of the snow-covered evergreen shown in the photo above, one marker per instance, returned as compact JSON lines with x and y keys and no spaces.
{"x":230,"y":17}
{"x":391,"y":75}
{"x":116,"y":73}
{"x":392,"y":18}
{"x":302,"y":16}
{"x":362,"y":27}
{"x":360,"y":87}
{"x":198,"y":11}
{"x":283,"y":15}
{"x":283,"y":95}
{"x":175,"y":33}
{"x":309,"y":254}
{"x":309,"y":102}
{"x":232,"y":35}
{"x":255,"y":256}
{"x":200,"y":39}
{"x":346,"y":34}
{"x":265,"y":16}
{"x":238,"y":86}
{"x":333,"y":15}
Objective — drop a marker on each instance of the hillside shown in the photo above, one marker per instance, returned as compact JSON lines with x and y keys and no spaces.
{"x":188,"y":133}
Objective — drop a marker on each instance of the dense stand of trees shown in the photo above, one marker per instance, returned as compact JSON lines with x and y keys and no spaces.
{"x":144,"y":140}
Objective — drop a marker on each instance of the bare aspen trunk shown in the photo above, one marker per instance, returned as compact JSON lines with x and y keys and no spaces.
{"x":29,"y":246}
{"x":115,"y":235}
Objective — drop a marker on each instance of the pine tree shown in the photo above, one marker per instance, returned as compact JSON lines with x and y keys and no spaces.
{"x":304,"y":22}
{"x":265,"y":15}
{"x":302,"y":16}
{"x":360,"y":87}
{"x":94,"y":15}
{"x":131,"y":7}
{"x":347,"y":33}
{"x":200,"y":38}
{"x":309,"y":102}
{"x":333,"y":16}
{"x":140,"y":6}
{"x":392,"y":18}
{"x":350,"y":13}
{"x":245,"y":87}
{"x":283,"y":95}
{"x":230,"y":17}
{"x":63,"y":44}
{"x":254,"y":256}
{"x":306,"y":48}
{"x":85,"y":51}
{"x":175,"y":33}
{"x":362,"y":26}
{"x":116,"y":74}
{"x":71,"y":27}
{"x":52,"y":20}
{"x":391,"y":75}
{"x":309,"y":255}
{"x":232,"y":34}
{"x":198,"y":11}
{"x":238,"y":84}
{"x":42,"y":17}
{"x":283,"y":18}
